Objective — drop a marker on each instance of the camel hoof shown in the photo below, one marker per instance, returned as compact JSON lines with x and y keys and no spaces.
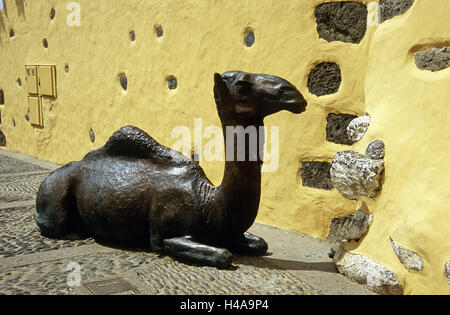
{"x":223,"y":259}
{"x":249,"y":244}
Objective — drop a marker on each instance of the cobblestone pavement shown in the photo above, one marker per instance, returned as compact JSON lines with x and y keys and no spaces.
{"x":19,"y":234}
{"x":32,"y":264}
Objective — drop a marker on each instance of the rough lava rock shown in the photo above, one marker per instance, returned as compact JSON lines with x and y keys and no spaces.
{"x":392,"y":8}
{"x":337,"y":125}
{"x":324,"y":79}
{"x":316,"y":175}
{"x":344,"y":21}
{"x":350,"y":227}
{"x":435,"y":59}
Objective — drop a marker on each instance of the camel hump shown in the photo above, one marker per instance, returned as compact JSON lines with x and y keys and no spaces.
{"x":132,"y":141}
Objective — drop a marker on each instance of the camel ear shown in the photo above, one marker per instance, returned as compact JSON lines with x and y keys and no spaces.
{"x":221,"y":91}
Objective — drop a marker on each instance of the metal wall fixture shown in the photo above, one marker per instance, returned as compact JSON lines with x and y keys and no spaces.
{"x":41,"y":82}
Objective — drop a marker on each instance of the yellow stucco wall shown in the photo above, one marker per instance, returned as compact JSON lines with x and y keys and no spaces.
{"x":409,"y":110}
{"x":203,"y":37}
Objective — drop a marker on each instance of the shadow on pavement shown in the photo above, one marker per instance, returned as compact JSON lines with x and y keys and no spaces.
{"x":284,"y":264}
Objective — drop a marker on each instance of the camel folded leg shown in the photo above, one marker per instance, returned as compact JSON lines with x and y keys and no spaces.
{"x":186,"y":249}
{"x":248,"y":244}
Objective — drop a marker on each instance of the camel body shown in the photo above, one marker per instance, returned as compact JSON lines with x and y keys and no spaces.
{"x":135,"y":190}
{"x":120,"y":195}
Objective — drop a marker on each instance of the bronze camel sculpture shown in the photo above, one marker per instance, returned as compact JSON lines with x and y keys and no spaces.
{"x":135,"y":189}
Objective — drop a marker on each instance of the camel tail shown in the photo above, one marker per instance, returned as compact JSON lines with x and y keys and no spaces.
{"x":56,"y":207}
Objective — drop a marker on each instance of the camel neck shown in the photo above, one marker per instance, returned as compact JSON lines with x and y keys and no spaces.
{"x":241,"y":184}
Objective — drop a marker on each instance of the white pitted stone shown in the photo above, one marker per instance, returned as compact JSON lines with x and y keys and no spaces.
{"x":354,"y":175}
{"x":447,"y":271}
{"x":366,"y":271}
{"x":409,"y":259}
{"x":358,"y":127}
{"x":375,"y":150}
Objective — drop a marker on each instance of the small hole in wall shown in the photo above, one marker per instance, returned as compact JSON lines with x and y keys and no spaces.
{"x":92,"y":135}
{"x":249,"y":37}
{"x":123,"y":81}
{"x":45,"y":43}
{"x":52,"y":13}
{"x":14,"y":122}
{"x":66,"y":68}
{"x":172,"y":83}
{"x":19,"y":82}
{"x":27,"y":117}
{"x":11,"y":33}
{"x":158,"y":30}
{"x":2,"y":97}
{"x":132,"y":36}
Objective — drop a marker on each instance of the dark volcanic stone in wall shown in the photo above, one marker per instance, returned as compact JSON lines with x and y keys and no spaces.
{"x":2,"y":139}
{"x":391,"y":8}
{"x":349,"y":227}
{"x":337,"y":128}
{"x":324,"y":79}
{"x":316,"y":175}
{"x":434,"y":59}
{"x":341,"y":21}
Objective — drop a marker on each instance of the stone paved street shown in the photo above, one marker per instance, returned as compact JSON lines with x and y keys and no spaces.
{"x":32,"y":264}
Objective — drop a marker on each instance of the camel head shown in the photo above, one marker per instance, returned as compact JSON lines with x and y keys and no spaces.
{"x":245,"y":98}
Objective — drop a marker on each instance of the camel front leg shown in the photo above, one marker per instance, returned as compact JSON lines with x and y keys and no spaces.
{"x":248,"y":244}
{"x":185,"y":248}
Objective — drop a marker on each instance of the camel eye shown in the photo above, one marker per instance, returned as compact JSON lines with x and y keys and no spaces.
{"x":245,"y":87}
